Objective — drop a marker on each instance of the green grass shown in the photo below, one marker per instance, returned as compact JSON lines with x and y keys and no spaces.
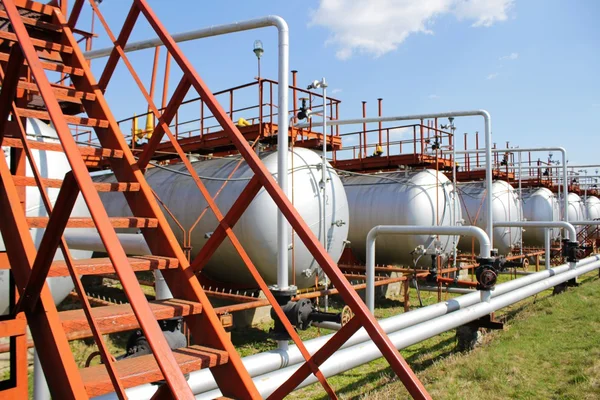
{"x":550,"y":349}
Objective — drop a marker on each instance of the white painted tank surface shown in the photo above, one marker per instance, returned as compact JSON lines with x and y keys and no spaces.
{"x":399,"y":198}
{"x":257,"y":228}
{"x":576,"y":210}
{"x":51,"y":165}
{"x":506,"y":206}
{"x":539,"y":204}
{"x":592,"y":207}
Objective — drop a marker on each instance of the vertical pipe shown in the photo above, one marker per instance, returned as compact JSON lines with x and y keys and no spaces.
{"x":414,"y":140}
{"x":40,"y":386}
{"x":422,"y":139}
{"x":324,"y":180}
{"x":154,"y":72}
{"x":364,"y":114}
{"x":547,"y":245}
{"x":231,"y":104}
{"x":166,"y":80}
{"x":295,"y":94}
{"x":282,"y":156}
{"x":477,"y":148}
{"x":379,"y":101}
{"x":520,"y":196}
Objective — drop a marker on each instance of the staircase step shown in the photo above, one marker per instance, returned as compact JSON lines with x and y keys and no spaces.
{"x":117,"y":222}
{"x":83,"y":121}
{"x":34,"y":23}
{"x":100,"y":186}
{"x":120,"y":318}
{"x":84,"y":150}
{"x":61,"y":92}
{"x":38,"y":43}
{"x":35,"y":6}
{"x":101,"y":266}
{"x":51,"y":66}
{"x":144,"y":369}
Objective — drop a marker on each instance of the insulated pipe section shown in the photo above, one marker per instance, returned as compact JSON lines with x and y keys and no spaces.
{"x":282,"y":96}
{"x":563,"y":153}
{"x":472,"y":113}
{"x":485,"y":246}
{"x":269,"y":361}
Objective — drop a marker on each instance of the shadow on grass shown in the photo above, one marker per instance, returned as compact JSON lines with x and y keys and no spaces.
{"x":417,"y":365}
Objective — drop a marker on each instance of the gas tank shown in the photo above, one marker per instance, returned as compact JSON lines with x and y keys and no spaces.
{"x":506,"y":206}
{"x":399,"y":198}
{"x":53,"y":165}
{"x":592,"y":206}
{"x":576,"y":210}
{"x":257,"y":228}
{"x":539,"y":204}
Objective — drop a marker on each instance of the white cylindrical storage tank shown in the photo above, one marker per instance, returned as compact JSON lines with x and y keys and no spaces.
{"x":576,"y":210}
{"x":257,"y":228}
{"x":592,"y":207}
{"x":53,"y":165}
{"x":506,"y":206}
{"x":539,"y":204}
{"x":399,"y":198}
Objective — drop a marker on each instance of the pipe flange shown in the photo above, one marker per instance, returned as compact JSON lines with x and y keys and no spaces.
{"x":486,"y":274}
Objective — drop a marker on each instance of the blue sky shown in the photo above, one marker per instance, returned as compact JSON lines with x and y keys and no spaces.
{"x":532,"y":63}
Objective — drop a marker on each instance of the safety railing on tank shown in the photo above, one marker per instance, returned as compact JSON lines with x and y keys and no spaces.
{"x":195,"y":121}
{"x":428,"y":142}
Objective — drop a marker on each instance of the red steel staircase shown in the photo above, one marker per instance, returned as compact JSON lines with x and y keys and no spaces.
{"x":38,"y":38}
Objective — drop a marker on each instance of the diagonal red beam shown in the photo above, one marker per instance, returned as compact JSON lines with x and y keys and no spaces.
{"x":318,"y":358}
{"x":397,"y":363}
{"x":230,"y":219}
{"x":215,"y":209}
{"x":75,"y":13}
{"x":50,"y":242}
{"x":114,"y":57}
{"x":165,"y":119}
{"x":9,"y":85}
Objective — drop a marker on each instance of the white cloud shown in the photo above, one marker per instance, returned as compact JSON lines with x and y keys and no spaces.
{"x":334,"y":91}
{"x":492,"y":76}
{"x":433,"y":96}
{"x":377,"y":27}
{"x":484,"y":12}
{"x":511,"y":56}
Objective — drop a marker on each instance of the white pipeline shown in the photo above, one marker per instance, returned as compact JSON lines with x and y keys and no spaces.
{"x":485,"y":246}
{"x":362,"y":353}
{"x":472,"y":113}
{"x":263,"y":363}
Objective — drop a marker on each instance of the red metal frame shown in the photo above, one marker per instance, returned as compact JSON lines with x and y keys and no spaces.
{"x":55,"y":356}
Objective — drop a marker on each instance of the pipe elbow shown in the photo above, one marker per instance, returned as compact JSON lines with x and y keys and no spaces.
{"x":278,"y":22}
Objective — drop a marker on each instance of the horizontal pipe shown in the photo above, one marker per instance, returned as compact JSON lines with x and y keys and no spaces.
{"x":485,"y":246}
{"x":265,"y":362}
{"x":541,"y":224}
{"x":363,"y":353}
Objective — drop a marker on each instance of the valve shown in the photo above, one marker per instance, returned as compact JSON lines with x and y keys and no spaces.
{"x":486,"y":274}
{"x":569,"y":250}
{"x":433,"y":271}
{"x":301,"y":314}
